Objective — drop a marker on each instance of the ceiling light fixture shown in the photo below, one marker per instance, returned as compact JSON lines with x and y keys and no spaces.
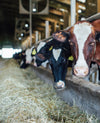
{"x":26,"y":25}
{"x":83,"y":1}
{"x":20,"y":38}
{"x":22,"y":34}
{"x":34,"y":9}
{"x":81,"y":7}
{"x":79,"y":11}
{"x":62,"y":20}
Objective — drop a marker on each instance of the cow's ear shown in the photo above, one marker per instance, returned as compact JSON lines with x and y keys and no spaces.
{"x":96,"y":25}
{"x":61,"y":36}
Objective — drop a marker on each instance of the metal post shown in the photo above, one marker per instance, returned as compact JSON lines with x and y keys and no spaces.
{"x":30,"y":6}
{"x":36,"y":33}
{"x":73,"y":12}
{"x":46,"y":29}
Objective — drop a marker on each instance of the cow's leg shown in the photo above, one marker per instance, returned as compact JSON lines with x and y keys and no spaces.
{"x":98,"y":75}
{"x":93,"y":70}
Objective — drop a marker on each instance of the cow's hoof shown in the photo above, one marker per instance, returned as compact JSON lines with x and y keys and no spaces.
{"x":59,"y":85}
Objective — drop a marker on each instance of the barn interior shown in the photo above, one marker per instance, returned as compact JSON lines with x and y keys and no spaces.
{"x":25,"y":95}
{"x":15,"y":19}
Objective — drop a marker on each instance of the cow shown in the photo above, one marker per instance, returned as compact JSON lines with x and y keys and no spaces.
{"x":57,"y":53}
{"x":83,"y":45}
{"x":21,"y":58}
{"x":31,"y":52}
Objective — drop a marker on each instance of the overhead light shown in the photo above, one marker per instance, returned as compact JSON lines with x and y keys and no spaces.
{"x":83,"y":1}
{"x":22,"y":34}
{"x":62,"y":20}
{"x":20,"y":38}
{"x":62,"y":10}
{"x":79,"y":11}
{"x":81,"y":7}
{"x":26,"y":25}
{"x":34,"y":9}
{"x":92,"y":4}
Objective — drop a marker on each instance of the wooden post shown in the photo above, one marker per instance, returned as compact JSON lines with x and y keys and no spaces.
{"x":65,"y":16}
{"x":77,"y":15}
{"x":69,"y":23}
{"x":55,"y":23}
{"x":40,"y":36}
{"x":36,"y":37}
{"x":46,"y":29}
{"x":73,"y":12}
{"x":98,"y":6}
{"x":30,"y":6}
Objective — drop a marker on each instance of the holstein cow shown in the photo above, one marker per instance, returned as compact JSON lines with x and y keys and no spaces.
{"x":31,"y":52}
{"x":57,"y":53}
{"x":83,"y":45}
{"x":21,"y":58}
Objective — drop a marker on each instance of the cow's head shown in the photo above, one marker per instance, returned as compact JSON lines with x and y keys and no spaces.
{"x":57,"y":54}
{"x":30,"y":52}
{"x":83,"y":44}
{"x":58,"y":63}
{"x":39,"y":57}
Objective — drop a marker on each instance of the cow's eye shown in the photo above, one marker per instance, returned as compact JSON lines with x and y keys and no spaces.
{"x":71,"y":43}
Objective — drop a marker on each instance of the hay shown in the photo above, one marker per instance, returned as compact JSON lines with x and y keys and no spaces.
{"x":24,"y":98}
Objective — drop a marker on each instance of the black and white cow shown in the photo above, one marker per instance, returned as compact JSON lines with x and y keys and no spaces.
{"x":31,"y":52}
{"x":21,"y":59}
{"x":57,"y":53}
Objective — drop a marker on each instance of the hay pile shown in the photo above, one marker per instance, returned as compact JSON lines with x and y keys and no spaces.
{"x":24,"y":98}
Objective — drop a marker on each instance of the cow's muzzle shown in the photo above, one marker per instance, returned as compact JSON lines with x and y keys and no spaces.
{"x":28,"y":62}
{"x":81,"y":71}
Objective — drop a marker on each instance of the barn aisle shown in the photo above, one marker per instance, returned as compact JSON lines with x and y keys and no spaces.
{"x":24,"y":98}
